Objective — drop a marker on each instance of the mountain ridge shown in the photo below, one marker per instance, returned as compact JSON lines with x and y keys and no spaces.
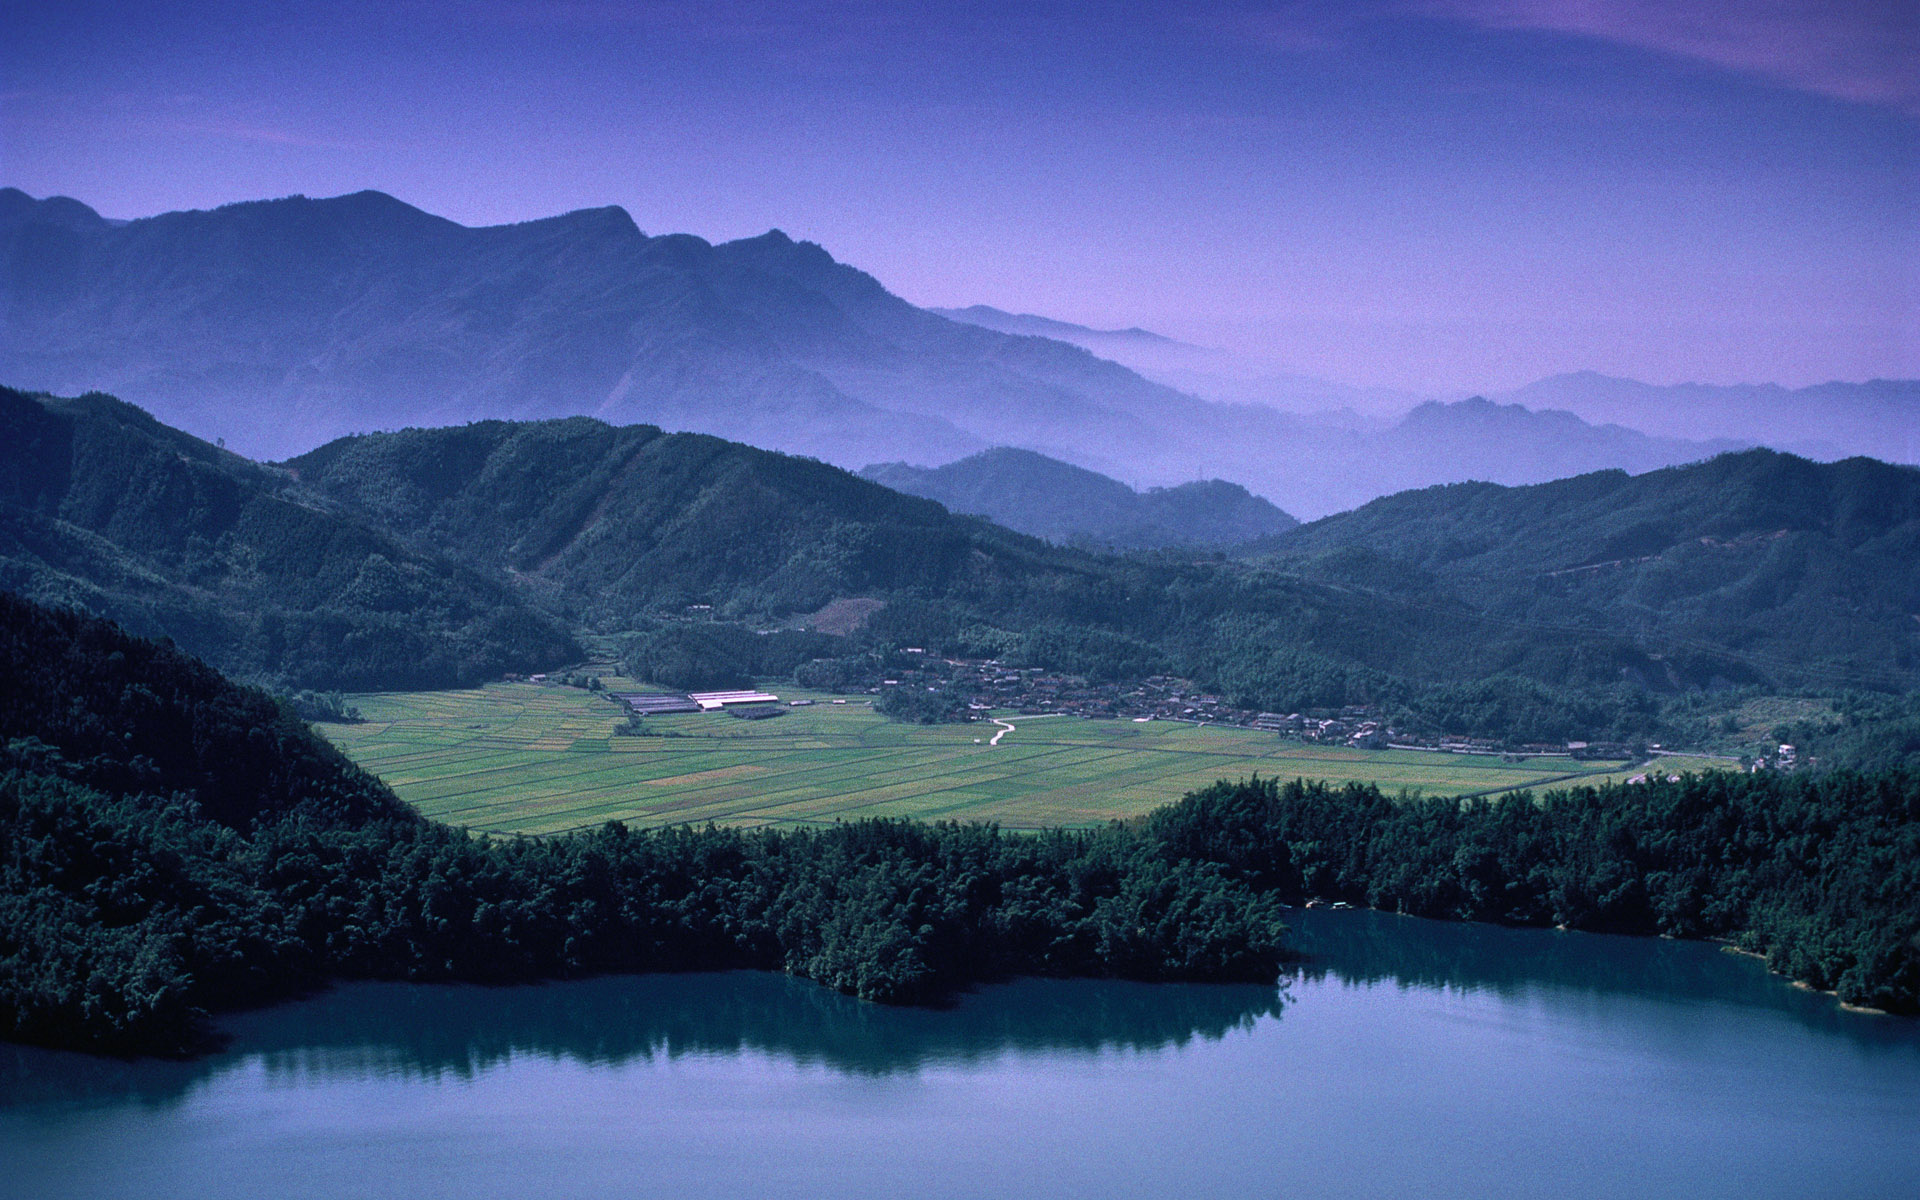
{"x":1065,"y":504}
{"x":276,"y":325}
{"x":104,"y":507}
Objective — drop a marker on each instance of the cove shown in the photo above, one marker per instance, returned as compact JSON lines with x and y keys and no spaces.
{"x":1406,"y":1058}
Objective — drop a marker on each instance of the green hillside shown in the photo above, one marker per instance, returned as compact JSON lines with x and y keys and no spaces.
{"x":104,"y":507}
{"x":624,"y":528}
{"x":611,"y":522}
{"x":1807,"y":574}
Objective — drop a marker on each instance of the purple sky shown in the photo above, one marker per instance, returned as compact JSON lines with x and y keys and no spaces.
{"x":1434,"y":194}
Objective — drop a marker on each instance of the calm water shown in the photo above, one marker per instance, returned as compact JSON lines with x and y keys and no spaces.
{"x":1413,"y":1059}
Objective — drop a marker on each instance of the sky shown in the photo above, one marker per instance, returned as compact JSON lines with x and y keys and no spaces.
{"x":1437,"y":195}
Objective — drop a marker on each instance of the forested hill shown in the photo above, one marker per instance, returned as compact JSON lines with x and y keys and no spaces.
{"x":609,"y":522}
{"x":620,"y":526}
{"x":1067,"y":504}
{"x":86,"y":700}
{"x":1808,"y":572}
{"x":104,"y":507}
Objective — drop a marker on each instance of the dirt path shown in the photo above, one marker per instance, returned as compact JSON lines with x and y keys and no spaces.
{"x":1006,"y":727}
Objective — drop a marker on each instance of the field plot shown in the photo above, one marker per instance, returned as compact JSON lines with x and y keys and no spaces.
{"x":523,"y":758}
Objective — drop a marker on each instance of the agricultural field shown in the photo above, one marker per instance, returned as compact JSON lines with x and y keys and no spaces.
{"x":527,"y":758}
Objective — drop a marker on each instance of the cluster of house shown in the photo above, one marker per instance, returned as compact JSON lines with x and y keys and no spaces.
{"x":991,"y":684}
{"x":1786,"y":758}
{"x":1354,"y":725}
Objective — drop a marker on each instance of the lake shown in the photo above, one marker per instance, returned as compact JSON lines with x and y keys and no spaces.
{"x":1409,"y":1058}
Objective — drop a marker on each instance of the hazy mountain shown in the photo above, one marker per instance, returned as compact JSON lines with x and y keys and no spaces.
{"x":278,"y":324}
{"x":1879,"y":418}
{"x":104,"y":508}
{"x":1100,"y":341}
{"x":1211,"y":374}
{"x":1333,"y":469}
{"x":1800,"y":570}
{"x":1067,"y":504}
{"x":281,"y":323}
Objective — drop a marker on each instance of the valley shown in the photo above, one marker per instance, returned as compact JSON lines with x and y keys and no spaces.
{"x":944,"y":600}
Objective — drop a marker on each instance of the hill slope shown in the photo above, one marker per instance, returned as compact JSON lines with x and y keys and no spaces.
{"x":429,"y":556}
{"x":1063,"y":503}
{"x":1805,"y":571}
{"x":104,"y":507}
{"x":609,"y":522}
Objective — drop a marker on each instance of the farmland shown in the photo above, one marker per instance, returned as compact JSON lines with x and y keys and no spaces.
{"x":523,"y":758}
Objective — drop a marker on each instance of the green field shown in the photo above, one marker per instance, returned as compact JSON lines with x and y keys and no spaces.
{"x":526,"y":758}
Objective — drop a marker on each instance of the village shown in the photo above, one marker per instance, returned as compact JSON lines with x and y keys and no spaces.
{"x":1167,"y":698}
{"x":989,"y":685}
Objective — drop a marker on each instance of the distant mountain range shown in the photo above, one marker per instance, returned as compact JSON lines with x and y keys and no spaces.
{"x":1879,"y":418}
{"x":279,"y":324}
{"x":1072,"y":505}
{"x":1217,"y":375}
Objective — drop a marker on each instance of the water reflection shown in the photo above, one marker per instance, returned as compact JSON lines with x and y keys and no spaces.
{"x":438,"y":1031}
{"x":1370,"y":948}
{"x":453,"y":1032}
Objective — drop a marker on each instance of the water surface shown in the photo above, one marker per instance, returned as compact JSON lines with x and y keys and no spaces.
{"x":1411,"y":1058}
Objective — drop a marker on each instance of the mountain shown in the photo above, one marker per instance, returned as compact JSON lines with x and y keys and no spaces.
{"x":276,"y":325}
{"x":279,"y":324}
{"x":1339,"y":467}
{"x":105,"y":508}
{"x":436,"y":556}
{"x":622,"y":528}
{"x":1879,"y":418}
{"x":610,"y":523}
{"x":1067,"y":504}
{"x":1808,"y":573}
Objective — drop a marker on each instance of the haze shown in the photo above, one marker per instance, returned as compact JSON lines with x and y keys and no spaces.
{"x":1440,"y":195}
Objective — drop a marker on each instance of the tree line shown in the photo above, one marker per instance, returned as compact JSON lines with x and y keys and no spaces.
{"x":1820,"y":873}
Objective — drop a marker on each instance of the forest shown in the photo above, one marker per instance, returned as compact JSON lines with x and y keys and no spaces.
{"x":1821,"y":874}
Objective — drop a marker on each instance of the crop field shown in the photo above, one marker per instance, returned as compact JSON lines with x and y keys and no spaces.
{"x":524,"y":758}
